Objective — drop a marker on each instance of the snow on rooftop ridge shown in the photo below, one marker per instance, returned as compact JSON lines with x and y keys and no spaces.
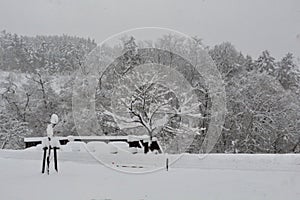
{"x":102,"y":137}
{"x":35,"y":139}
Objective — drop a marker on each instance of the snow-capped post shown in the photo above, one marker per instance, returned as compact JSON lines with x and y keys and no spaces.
{"x":49,"y":143}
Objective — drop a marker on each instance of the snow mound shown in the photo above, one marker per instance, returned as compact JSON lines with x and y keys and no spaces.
{"x":76,"y":146}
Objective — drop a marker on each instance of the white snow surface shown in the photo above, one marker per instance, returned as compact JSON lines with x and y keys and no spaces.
{"x":191,"y":177}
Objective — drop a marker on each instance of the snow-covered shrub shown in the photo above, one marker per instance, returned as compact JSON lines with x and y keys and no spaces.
{"x":12,"y":131}
{"x":70,"y":138}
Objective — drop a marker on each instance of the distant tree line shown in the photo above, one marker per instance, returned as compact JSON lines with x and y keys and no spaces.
{"x":54,"y":54}
{"x":263,"y":94}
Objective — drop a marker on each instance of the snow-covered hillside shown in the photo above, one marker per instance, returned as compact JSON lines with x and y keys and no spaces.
{"x":224,"y":177}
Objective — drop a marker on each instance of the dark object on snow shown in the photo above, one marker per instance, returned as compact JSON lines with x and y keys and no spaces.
{"x":33,"y":141}
{"x":48,"y":159}
{"x":44,"y":159}
{"x":55,"y":158}
{"x":146,"y":147}
{"x":134,"y":144}
{"x":167,"y":164}
{"x":47,"y":154}
{"x":154,"y":146}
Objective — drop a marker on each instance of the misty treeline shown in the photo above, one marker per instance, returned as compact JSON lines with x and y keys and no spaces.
{"x":262,"y":94}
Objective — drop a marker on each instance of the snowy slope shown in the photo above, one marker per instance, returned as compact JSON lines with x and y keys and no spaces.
{"x":263,"y":162}
{"x":224,"y":177}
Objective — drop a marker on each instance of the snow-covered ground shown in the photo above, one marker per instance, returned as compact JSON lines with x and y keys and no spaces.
{"x":224,"y":177}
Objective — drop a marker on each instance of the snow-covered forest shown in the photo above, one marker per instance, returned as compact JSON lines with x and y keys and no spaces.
{"x":262,"y":94}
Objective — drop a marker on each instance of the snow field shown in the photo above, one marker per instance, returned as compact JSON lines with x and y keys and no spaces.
{"x":21,"y":180}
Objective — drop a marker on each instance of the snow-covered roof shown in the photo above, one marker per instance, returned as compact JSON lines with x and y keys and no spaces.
{"x":95,"y":138}
{"x":36,"y":139}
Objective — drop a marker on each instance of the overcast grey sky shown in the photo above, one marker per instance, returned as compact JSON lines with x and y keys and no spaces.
{"x":251,"y":25}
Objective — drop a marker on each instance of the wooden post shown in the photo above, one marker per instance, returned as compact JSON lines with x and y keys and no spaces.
{"x":167,"y":164}
{"x":48,"y":160}
{"x":55,"y":159}
{"x":44,"y":159}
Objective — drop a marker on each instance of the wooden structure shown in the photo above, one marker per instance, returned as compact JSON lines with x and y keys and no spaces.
{"x":33,"y":141}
